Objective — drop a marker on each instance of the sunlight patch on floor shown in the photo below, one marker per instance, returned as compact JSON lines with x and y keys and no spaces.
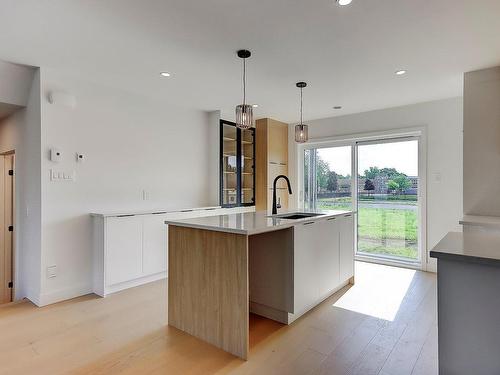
{"x":387,"y":287}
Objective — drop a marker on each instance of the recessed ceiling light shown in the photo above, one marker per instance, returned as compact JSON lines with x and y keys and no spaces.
{"x":255,"y":105}
{"x":344,"y":2}
{"x":337,"y":107}
{"x":165,"y":74}
{"x":400,"y":72}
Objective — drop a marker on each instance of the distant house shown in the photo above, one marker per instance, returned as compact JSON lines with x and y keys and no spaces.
{"x":380,"y":183}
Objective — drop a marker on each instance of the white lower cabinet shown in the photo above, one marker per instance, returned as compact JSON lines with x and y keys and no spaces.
{"x":323,"y":260}
{"x":346,"y":247}
{"x":124,"y":249}
{"x":154,"y":244}
{"x":306,"y":280}
{"x":130,"y":250}
{"x":329,"y":265}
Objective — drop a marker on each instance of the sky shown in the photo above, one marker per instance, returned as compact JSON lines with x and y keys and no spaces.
{"x":400,"y":155}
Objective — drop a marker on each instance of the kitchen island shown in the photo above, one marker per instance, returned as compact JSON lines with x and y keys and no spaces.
{"x":468,"y":302}
{"x":223,"y":267}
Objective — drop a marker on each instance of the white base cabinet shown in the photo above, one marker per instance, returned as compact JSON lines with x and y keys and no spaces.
{"x":323,"y":260}
{"x":131,"y":250}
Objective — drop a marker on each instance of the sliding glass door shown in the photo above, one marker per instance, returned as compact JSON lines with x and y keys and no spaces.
{"x":380,"y":180}
{"x":387,"y":199}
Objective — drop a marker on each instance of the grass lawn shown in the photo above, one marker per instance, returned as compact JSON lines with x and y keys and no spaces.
{"x":384,"y":231}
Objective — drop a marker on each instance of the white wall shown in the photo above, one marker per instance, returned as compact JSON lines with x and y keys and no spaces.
{"x":444,"y":123}
{"x":9,"y":131}
{"x":131,"y":144}
{"x":15,"y":83}
{"x":482,"y":142}
{"x":21,"y":132}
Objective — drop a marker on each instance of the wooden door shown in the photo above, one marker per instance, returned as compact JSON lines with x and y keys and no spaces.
{"x":6,"y":226}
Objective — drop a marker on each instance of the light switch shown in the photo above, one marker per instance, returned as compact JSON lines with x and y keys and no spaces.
{"x":62,"y":176}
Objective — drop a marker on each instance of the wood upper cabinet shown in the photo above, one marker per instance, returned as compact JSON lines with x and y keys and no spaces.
{"x":271,"y":159}
{"x":278,"y":141}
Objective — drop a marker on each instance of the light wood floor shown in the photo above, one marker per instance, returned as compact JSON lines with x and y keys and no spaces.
{"x":385,"y":324}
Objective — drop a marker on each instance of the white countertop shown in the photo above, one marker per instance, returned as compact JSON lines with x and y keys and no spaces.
{"x":481,"y":221}
{"x":252,"y":222}
{"x":165,"y":211}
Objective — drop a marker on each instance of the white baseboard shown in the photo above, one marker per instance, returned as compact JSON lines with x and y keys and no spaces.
{"x":432,"y":266}
{"x":32,"y":296}
{"x":62,"y":295}
{"x":133,"y":283}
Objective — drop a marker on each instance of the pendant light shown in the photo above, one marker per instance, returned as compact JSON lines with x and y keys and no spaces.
{"x":301,"y":129}
{"x":244,"y":112}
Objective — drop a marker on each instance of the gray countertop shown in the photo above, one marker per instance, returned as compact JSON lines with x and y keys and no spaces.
{"x":481,"y":221}
{"x":474,"y":247}
{"x":251,"y":222}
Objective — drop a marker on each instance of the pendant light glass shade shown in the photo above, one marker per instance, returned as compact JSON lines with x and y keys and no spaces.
{"x":244,"y":116}
{"x":244,"y":112}
{"x":301,"y":134}
{"x":301,"y":130}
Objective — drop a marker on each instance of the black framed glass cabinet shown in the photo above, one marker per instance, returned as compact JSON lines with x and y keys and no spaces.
{"x":237,"y":165}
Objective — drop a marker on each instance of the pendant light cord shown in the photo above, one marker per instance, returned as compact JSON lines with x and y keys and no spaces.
{"x":244,"y":80}
{"x":301,"y":106}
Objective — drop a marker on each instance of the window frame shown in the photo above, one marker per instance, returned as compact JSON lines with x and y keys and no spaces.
{"x":376,"y":137}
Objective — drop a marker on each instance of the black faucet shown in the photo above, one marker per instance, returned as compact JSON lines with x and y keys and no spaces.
{"x":275,"y":206}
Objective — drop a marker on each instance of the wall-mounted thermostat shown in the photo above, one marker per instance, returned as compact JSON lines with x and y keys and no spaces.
{"x":80,"y":158}
{"x":55,"y":155}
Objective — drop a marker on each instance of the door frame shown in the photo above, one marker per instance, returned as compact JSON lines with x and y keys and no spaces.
{"x":13,"y":223}
{"x":419,"y":132}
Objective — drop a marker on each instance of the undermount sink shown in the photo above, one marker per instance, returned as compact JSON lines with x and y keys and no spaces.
{"x":296,"y":215}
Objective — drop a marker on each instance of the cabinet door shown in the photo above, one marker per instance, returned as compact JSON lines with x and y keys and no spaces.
{"x":123,"y":249}
{"x":155,"y":244}
{"x":328,"y":260}
{"x":306,"y":290}
{"x":346,"y":247}
{"x":275,"y":169}
{"x":277,"y":142}
{"x":281,"y":198}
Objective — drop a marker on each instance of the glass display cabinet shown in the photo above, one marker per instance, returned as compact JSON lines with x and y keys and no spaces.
{"x":237,"y":165}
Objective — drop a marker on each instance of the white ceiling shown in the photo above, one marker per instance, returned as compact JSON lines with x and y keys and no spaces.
{"x":348,"y":55}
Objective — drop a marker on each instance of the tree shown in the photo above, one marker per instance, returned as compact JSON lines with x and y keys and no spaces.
{"x":403,"y":183}
{"x":322,"y":173}
{"x":389,"y":172}
{"x":372,"y":172}
{"x":399,"y":183}
{"x":332,"y":183}
{"x":392,"y":185}
{"x":369,"y":185}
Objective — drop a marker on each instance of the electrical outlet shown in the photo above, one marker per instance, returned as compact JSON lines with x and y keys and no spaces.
{"x":51,"y":272}
{"x":145,"y":195}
